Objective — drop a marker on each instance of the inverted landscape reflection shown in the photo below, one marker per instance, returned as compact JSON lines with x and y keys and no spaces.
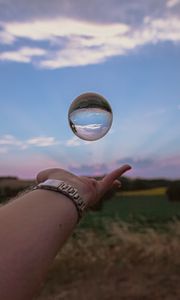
{"x":90,"y":124}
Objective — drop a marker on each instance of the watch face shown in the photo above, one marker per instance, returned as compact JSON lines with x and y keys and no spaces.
{"x":51,"y":182}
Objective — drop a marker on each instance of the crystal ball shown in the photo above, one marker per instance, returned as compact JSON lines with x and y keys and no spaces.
{"x":90,"y":116}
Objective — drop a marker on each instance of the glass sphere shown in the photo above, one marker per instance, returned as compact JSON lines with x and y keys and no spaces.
{"x":90,"y":116}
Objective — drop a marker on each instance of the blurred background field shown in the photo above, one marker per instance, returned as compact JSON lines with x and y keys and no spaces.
{"x":128,"y":248}
{"x":147,"y":210}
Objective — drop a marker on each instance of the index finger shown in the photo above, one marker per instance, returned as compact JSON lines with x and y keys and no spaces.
{"x":108,"y":180}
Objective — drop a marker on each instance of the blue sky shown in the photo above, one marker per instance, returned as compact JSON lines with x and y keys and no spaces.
{"x":128,"y":51}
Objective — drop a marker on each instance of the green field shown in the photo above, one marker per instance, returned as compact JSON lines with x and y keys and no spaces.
{"x":147,"y":210}
{"x":144,"y":207}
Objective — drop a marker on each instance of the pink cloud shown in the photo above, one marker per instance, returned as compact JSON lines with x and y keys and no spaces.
{"x":27,"y":167}
{"x":168,"y":167}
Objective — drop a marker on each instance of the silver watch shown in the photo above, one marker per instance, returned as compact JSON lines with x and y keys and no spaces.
{"x":66,"y":189}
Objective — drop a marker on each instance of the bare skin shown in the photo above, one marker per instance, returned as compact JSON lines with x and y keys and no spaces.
{"x":34,"y":226}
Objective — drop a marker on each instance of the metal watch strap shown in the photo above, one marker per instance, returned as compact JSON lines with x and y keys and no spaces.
{"x":66,"y":189}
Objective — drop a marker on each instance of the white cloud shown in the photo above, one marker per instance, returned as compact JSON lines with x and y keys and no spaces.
{"x":11,"y":141}
{"x":73,"y":142}
{"x":6,"y":38}
{"x":165,"y":29}
{"x":22,"y":55}
{"x":42,"y":141}
{"x":79,"y":43}
{"x":62,"y":27}
{"x":8,"y":139}
{"x":89,"y":126}
{"x":8,"y":142}
{"x":172,"y":3}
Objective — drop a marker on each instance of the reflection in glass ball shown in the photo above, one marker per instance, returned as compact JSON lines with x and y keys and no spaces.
{"x":90,"y":116}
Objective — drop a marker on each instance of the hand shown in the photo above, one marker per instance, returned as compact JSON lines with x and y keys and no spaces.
{"x":91,"y":190}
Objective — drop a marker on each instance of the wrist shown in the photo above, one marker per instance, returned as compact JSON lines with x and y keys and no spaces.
{"x":85,"y":187}
{"x":62,"y":187}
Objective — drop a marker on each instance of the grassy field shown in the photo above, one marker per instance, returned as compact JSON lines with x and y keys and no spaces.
{"x":123,"y":264}
{"x":145,"y":209}
{"x":129,"y":250}
{"x":121,"y":253}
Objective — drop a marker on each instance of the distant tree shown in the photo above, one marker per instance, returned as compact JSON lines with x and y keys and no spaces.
{"x":126,"y":183}
{"x":129,"y":184}
{"x":173,"y":191}
{"x":8,"y":178}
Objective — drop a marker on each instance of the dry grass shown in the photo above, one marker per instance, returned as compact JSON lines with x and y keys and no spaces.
{"x":117,"y":264}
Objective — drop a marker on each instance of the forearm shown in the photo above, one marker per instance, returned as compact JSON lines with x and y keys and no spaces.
{"x":32,"y":229}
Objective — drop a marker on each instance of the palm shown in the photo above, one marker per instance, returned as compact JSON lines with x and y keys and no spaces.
{"x":109,"y":181}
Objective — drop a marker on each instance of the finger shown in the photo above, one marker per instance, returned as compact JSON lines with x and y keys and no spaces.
{"x":108,"y":180}
{"x":116,"y":184}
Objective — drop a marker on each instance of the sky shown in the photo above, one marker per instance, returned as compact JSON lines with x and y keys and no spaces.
{"x":53,"y":51}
